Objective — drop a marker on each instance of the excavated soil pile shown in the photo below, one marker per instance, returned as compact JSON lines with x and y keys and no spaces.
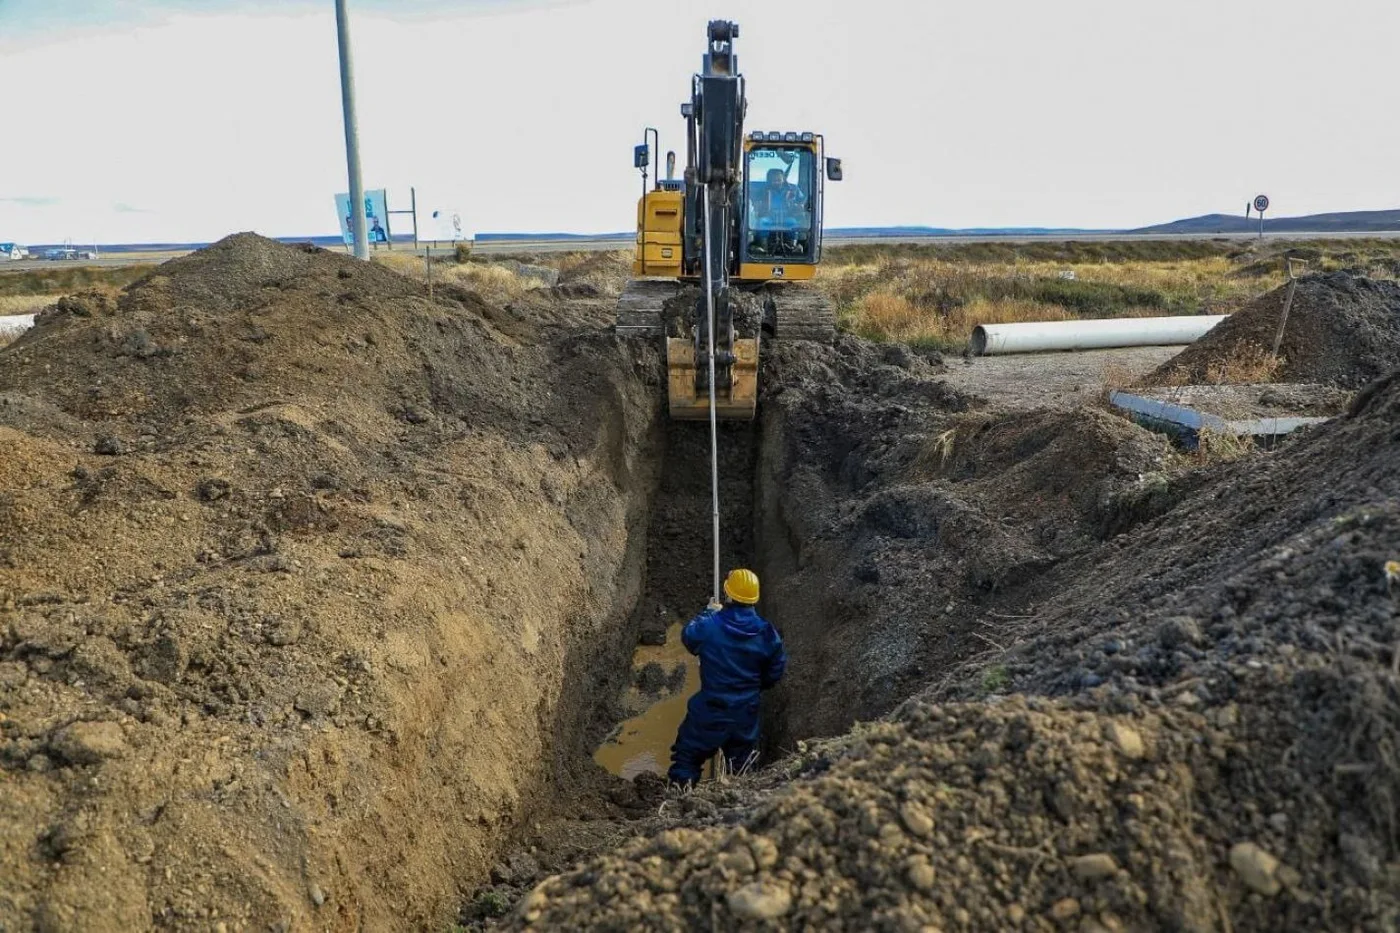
{"x":892,"y":521}
{"x":1343,"y":330}
{"x":1204,"y":738}
{"x":309,"y":590}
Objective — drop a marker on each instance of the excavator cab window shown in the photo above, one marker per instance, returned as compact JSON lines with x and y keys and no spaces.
{"x":779,"y":219}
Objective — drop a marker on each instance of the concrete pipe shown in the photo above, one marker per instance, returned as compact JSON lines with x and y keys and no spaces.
{"x":12,"y":325}
{"x":989,"y":339}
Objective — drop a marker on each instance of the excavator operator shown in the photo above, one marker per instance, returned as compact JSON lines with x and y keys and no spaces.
{"x":741,"y":654}
{"x":776,"y":205}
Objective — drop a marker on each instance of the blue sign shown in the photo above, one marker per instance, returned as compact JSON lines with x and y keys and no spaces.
{"x":376,"y":217}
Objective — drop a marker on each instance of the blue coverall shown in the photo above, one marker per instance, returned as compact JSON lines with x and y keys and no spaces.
{"x":740,"y":654}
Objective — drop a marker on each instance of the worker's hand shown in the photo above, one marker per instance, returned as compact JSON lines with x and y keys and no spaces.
{"x":715,"y":605}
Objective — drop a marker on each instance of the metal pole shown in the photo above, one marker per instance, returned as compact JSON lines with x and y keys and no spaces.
{"x":352,"y":134}
{"x":1261,"y":225}
{"x":413,"y":204}
{"x":714,"y":428}
{"x":1287,"y":304}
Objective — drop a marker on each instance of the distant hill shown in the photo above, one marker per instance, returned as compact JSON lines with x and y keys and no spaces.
{"x":1208,"y":225}
{"x":959,"y":231}
{"x":1337,"y":222}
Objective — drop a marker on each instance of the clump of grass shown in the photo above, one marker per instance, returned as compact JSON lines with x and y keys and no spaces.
{"x":494,"y":283}
{"x":996,"y":679}
{"x":491,"y":904}
{"x":1219,"y":447}
{"x":1248,"y":364}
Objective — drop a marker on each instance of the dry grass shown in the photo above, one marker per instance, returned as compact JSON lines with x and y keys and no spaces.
{"x":1218,"y":447}
{"x":937,"y":302}
{"x":25,"y":304}
{"x":937,"y":299}
{"x":494,"y":283}
{"x":1247,"y":364}
{"x":1117,"y":376}
{"x":936,"y":293}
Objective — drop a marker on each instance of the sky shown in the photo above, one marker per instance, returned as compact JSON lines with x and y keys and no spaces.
{"x":185,"y":120}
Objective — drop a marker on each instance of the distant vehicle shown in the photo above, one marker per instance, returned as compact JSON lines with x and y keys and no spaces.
{"x":13,"y":251}
{"x":87,"y":254}
{"x":61,"y":254}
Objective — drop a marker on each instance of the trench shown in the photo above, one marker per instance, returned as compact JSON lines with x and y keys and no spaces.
{"x":755,"y":532}
{"x":677,"y":583}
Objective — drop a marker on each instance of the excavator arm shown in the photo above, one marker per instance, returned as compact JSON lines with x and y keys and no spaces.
{"x":715,"y":128}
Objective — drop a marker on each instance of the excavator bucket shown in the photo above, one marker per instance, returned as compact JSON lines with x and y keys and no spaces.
{"x":737,"y":402}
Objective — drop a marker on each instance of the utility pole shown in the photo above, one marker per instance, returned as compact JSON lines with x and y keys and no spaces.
{"x":352,"y":134}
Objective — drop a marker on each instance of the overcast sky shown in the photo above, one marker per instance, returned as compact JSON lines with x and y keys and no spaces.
{"x":143,"y":120}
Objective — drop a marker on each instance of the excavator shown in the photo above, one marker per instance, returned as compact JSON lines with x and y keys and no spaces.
{"x":742,"y":228}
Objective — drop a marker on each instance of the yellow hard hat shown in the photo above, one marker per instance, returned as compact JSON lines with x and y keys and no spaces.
{"x":742,"y":586}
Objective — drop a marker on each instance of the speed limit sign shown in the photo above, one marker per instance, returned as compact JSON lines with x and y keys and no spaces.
{"x":1261,"y":203}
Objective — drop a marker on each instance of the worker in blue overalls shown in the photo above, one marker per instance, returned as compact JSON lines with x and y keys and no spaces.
{"x":740,"y":653}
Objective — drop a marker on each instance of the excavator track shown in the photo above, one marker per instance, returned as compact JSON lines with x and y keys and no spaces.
{"x":799,"y":312}
{"x":791,"y":311}
{"x":639,"y":310}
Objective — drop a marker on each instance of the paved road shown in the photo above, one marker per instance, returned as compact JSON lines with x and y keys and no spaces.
{"x":497,"y":247}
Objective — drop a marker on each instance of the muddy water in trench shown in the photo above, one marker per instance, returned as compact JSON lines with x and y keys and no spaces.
{"x":643,"y":742}
{"x":678,"y":569}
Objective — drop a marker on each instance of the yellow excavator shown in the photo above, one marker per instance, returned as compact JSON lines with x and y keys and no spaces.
{"x":742,"y":228}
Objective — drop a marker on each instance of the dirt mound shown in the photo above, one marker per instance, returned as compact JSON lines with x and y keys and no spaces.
{"x":1343,"y":330}
{"x":895,"y":517}
{"x":981,"y":817}
{"x":307,"y":591}
{"x":1205,"y":736}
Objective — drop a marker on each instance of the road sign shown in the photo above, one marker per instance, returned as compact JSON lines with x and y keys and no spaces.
{"x":1261,"y":203}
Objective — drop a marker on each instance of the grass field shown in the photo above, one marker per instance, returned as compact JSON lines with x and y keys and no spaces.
{"x":924,"y":294}
{"x":65,"y":280}
{"x":934,"y":295}
{"x":26,"y":304}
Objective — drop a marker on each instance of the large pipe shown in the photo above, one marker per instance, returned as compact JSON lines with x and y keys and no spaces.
{"x":989,"y":339}
{"x":12,"y":325}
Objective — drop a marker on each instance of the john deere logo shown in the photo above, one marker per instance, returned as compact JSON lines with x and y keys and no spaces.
{"x":778,"y":272}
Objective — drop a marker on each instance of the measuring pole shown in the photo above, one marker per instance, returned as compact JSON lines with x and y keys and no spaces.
{"x":714,"y":427}
{"x":1287,"y":303}
{"x":352,"y":134}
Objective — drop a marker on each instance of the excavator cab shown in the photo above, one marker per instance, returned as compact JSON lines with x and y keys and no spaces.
{"x":744,"y":224}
